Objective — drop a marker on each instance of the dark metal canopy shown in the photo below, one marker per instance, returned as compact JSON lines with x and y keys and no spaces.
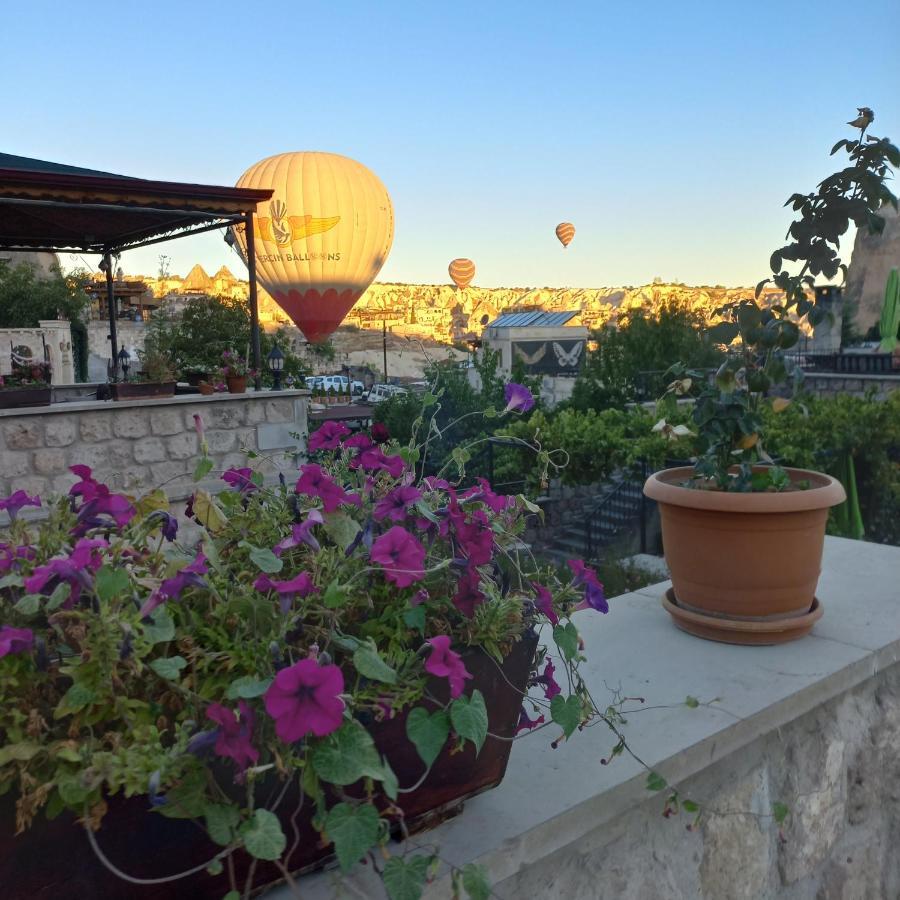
{"x":51,"y":206}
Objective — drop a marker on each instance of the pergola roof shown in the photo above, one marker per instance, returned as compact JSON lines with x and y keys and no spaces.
{"x":51,"y":206}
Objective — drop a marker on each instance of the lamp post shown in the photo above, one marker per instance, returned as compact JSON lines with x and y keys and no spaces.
{"x":275,"y":362}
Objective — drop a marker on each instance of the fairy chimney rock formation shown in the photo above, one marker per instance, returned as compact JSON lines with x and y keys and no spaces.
{"x":873,"y":258}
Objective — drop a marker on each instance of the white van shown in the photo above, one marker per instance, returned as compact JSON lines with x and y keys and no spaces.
{"x":381,"y":392}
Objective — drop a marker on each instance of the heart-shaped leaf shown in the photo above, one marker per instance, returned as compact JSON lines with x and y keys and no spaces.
{"x":263,"y":837}
{"x":353,"y":830}
{"x":469,"y":718}
{"x":429,"y":732}
{"x":566,"y":712}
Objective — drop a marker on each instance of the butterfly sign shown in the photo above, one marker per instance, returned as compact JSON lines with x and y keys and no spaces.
{"x":568,"y":359}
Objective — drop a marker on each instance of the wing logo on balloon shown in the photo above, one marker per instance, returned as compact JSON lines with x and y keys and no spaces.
{"x":282,"y":229}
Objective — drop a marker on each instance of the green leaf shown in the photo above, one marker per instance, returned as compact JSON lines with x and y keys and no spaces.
{"x":353,"y":830}
{"x":405,"y":879}
{"x":160,"y":628}
{"x":347,"y":755}
{"x":780,"y":811}
{"x":28,"y":605}
{"x":203,"y":468}
{"x":489,"y":412}
{"x":369,"y":663}
{"x":723,"y":332}
{"x":566,"y":712}
{"x":566,"y":637}
{"x":341,"y":528}
{"x":8,"y":581}
{"x":334,"y":595}
{"x":247,"y":687}
{"x":691,"y":702}
{"x":75,"y":698}
{"x":469,"y":718}
{"x":427,"y":732}
{"x":656,"y":782}
{"x":168,"y":667}
{"x":689,"y":806}
{"x":264,"y":559}
{"x":415,"y":618}
{"x":215,"y":867}
{"x":22,"y":752}
{"x":222,"y":821}
{"x":263,"y":837}
{"x":110,"y":583}
{"x":72,"y":791}
{"x":187,"y":800}
{"x":60,"y":594}
{"x":389,"y":781}
{"x":426,"y":512}
{"x":476,"y":882}
{"x":232,"y":895}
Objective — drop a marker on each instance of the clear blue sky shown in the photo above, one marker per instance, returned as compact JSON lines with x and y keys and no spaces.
{"x":669,"y":133}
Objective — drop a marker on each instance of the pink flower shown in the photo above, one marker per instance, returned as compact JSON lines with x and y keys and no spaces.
{"x":98,"y":502}
{"x":395,"y":504}
{"x":305,"y":698}
{"x":16,"y":501}
{"x":75,"y":570}
{"x":233,"y":736}
{"x":198,"y":425}
{"x":400,"y":555}
{"x":10,"y":556}
{"x":240,"y":479}
{"x":87,"y":487}
{"x":469,"y":594}
{"x":380,"y":433}
{"x":594,"y":598}
{"x":172,"y":587}
{"x":518,"y":398}
{"x":546,"y":679}
{"x":360,"y":441}
{"x":476,"y":540}
{"x":544,"y":602}
{"x":374,"y":460}
{"x":497,"y":503}
{"x":315,"y":482}
{"x":526,"y":724}
{"x":301,"y":534}
{"x":445,"y":663}
{"x":15,"y":640}
{"x":299,"y":586}
{"x":328,"y":437}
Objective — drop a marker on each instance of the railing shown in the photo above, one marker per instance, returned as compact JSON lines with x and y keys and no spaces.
{"x":482,"y":465}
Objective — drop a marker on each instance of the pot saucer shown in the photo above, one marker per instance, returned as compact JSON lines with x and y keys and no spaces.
{"x":741,"y":631}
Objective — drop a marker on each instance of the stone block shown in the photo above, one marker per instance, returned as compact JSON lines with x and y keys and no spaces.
{"x":102,"y":458}
{"x":33,"y":484}
{"x":166,"y":421}
{"x":256,"y":413}
{"x":60,"y":431}
{"x":131,"y":423}
{"x":275,"y":436}
{"x":221,"y":441}
{"x":27,"y":434}
{"x":14,"y":464}
{"x":183,"y":446}
{"x":168,"y":475}
{"x":226,"y":415}
{"x":61,"y":483}
{"x":95,"y":427}
{"x":280,"y":410}
{"x":49,"y":462}
{"x":149,"y":449}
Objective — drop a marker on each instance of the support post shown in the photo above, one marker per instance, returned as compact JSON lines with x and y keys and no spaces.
{"x":255,"y":351}
{"x":111,"y":310}
{"x":384,"y":346}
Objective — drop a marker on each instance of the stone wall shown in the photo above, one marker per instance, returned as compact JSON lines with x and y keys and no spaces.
{"x":55,"y":335}
{"x":829,"y":384}
{"x":838,"y":770}
{"x":128,"y":334}
{"x":137,"y":445}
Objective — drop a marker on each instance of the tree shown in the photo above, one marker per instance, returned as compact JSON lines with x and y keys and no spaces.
{"x":26,"y":297}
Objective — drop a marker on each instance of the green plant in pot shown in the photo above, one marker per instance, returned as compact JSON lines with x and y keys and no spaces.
{"x":155,"y":377}
{"x":28,"y":384}
{"x":743,"y":537}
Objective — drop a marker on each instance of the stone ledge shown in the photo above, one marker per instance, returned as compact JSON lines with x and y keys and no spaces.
{"x":551,"y":801}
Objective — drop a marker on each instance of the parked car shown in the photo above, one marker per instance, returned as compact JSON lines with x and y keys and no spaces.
{"x":381,"y":392}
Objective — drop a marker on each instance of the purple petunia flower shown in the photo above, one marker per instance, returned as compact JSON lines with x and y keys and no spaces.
{"x":240,"y":478}
{"x":475,"y":537}
{"x":233,"y":736}
{"x":10,"y":556}
{"x":328,"y":436}
{"x":468,"y":593}
{"x":526,"y":724}
{"x":15,"y":640}
{"x":547,"y":681}
{"x":594,"y":597}
{"x":167,"y":522}
{"x":380,"y":433}
{"x":305,"y":698}
{"x":189,"y":576}
{"x":301,"y":534}
{"x":358,"y":441}
{"x":445,"y":663}
{"x":544,"y":602}
{"x":400,"y":555}
{"x":315,"y":482}
{"x":518,"y":398}
{"x":299,"y":586}
{"x":16,"y":501}
{"x":374,"y":460}
{"x":396,"y":503}
{"x":75,"y":570}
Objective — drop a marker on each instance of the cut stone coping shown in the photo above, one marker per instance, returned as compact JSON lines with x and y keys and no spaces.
{"x":551,"y":799}
{"x":77,"y":406}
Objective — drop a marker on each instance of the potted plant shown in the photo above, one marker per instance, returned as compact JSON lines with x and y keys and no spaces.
{"x":156,"y":378}
{"x":340,"y":658}
{"x":235,"y":370}
{"x":194,"y":373}
{"x":743,"y":537}
{"x":27,"y":385}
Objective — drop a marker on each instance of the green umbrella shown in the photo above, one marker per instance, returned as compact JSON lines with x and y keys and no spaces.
{"x":890,"y":313}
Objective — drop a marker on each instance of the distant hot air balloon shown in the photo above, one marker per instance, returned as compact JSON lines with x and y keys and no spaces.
{"x":462,"y":271}
{"x":322,"y":238}
{"x":565,"y":231}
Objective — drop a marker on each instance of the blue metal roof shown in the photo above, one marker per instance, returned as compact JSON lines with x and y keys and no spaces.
{"x":533,"y":319}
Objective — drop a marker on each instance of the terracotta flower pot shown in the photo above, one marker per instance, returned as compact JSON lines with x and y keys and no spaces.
{"x":237,"y":384}
{"x":205,"y":388}
{"x":744,"y":565}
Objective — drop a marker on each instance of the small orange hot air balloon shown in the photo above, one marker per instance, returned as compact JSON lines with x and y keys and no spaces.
{"x":462,"y":271}
{"x":565,"y":231}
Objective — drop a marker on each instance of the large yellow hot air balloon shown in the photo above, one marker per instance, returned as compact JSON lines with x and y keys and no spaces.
{"x":322,"y":238}
{"x":565,"y":231}
{"x":462,"y":271}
